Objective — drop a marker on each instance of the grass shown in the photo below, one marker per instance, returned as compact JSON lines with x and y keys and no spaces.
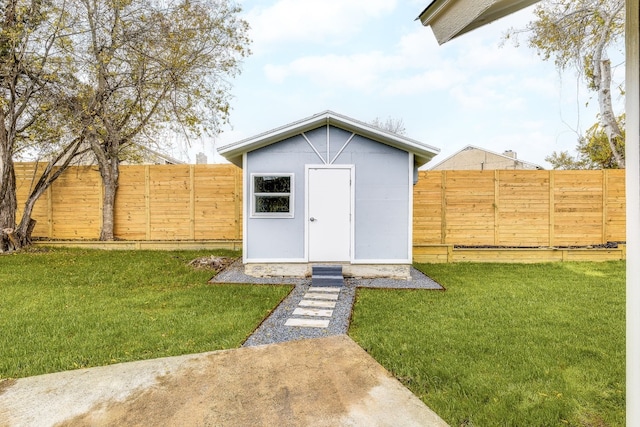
{"x":64,"y":309}
{"x":506,"y":345}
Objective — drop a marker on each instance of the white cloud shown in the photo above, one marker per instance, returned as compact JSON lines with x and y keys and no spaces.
{"x":415,"y":64}
{"x":483,"y":92}
{"x":316,"y":21}
{"x":418,"y":49}
{"x":362,"y":72}
{"x":428,"y":81}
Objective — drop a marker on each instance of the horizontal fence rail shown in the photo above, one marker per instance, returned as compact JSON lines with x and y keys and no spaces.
{"x":469,"y":208}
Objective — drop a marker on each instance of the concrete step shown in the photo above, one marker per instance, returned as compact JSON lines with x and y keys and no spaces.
{"x":327,"y":281}
{"x":326,"y":270}
{"x":327,"y":275}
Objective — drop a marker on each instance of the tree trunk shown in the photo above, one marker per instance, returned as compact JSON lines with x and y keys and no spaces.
{"x":8,"y":205}
{"x":110,"y":184}
{"x":51,"y":172}
{"x":607,"y":116}
{"x":109,"y":171}
{"x":27,"y":224}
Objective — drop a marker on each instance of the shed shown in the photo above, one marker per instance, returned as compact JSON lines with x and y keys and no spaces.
{"x":328,"y":189}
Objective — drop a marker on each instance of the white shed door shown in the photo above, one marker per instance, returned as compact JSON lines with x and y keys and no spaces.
{"x":329,"y":214}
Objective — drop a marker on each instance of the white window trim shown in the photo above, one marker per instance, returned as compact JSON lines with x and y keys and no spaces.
{"x":252,"y":196}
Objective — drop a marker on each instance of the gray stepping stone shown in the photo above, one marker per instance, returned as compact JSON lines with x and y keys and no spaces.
{"x":314,"y":312}
{"x":308,"y":323}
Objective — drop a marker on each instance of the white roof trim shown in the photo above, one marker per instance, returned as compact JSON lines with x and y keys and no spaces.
{"x":451,"y":18}
{"x":423,"y":153}
{"x":486,"y":151}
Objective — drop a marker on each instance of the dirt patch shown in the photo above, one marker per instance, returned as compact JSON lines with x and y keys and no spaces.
{"x":215,"y":263}
{"x":6,"y":384}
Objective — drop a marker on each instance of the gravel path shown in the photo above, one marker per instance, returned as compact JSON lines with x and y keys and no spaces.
{"x":273,"y":329}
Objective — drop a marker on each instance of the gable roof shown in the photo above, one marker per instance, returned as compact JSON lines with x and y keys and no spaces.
{"x":451,"y":18}
{"x":423,"y":153}
{"x":473,"y":147}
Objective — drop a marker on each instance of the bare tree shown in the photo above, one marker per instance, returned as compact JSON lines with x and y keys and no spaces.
{"x":390,"y":125}
{"x":149,"y":65}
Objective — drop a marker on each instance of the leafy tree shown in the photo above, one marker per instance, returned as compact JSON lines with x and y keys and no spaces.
{"x":579,"y":34}
{"x":564,"y":161}
{"x":145,"y":66}
{"x":593,"y":149}
{"x":33,"y":86}
{"x":390,"y":125}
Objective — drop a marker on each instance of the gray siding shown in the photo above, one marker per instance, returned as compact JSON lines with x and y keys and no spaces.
{"x":382,"y":199}
{"x":278,"y":238}
{"x":382,"y":186}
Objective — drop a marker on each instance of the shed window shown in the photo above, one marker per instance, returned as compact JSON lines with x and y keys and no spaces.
{"x":272,"y":196}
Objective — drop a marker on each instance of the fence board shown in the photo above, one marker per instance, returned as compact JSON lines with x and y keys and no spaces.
{"x":204,"y":202}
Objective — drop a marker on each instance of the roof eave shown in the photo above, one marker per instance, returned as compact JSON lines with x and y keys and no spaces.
{"x":449,"y":19}
{"x":233,"y":152}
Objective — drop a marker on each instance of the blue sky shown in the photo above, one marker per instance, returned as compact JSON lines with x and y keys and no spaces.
{"x":371,"y":58}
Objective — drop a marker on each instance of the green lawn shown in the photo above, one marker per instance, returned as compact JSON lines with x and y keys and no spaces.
{"x":506,"y":345}
{"x":64,"y":309}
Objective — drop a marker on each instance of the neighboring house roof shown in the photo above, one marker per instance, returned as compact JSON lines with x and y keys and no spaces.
{"x":423,"y":153}
{"x":451,"y":18}
{"x":134,"y":154}
{"x":155,"y":157}
{"x":500,"y":161}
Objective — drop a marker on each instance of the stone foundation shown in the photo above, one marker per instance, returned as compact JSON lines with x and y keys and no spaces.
{"x":391,"y":271}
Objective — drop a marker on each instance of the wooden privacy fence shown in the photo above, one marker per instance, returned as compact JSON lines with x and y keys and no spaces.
{"x":154,"y":202}
{"x":519,"y":208}
{"x":204,"y":202}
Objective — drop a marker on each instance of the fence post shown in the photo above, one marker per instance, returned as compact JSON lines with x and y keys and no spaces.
{"x":50,"y":211}
{"x":605,"y":189}
{"x":496,"y":212}
{"x":101,"y":208}
{"x":443,"y":213}
{"x":552,"y":208}
{"x":238,"y":201}
{"x":192,"y":203}
{"x":147,"y":203}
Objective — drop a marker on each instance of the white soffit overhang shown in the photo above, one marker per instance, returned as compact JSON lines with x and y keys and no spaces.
{"x":451,"y":18}
{"x":423,"y":153}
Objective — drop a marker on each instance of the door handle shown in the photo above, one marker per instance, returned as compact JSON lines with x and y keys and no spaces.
{"x":312,"y":219}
